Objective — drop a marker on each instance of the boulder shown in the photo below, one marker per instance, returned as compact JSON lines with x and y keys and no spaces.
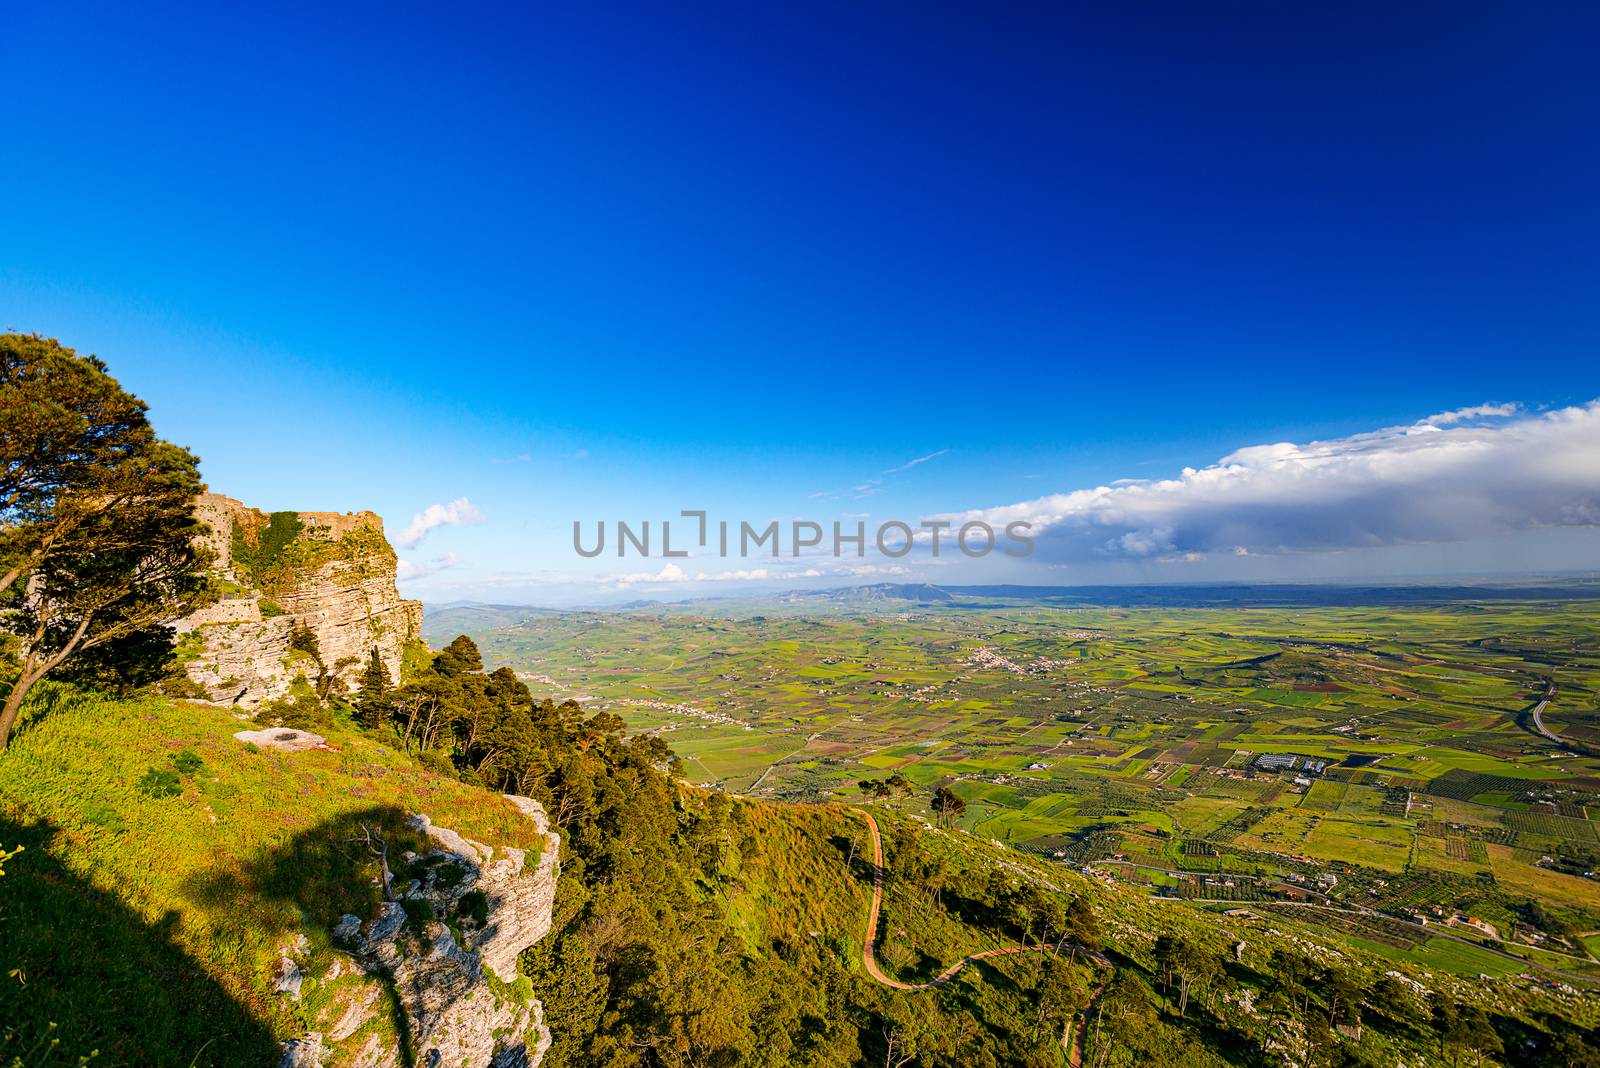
{"x":285,"y":738}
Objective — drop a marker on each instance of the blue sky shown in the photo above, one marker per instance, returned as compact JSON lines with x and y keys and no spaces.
{"x":617,"y":262}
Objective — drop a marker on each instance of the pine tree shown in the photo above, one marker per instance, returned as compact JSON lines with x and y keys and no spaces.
{"x":375,"y":688}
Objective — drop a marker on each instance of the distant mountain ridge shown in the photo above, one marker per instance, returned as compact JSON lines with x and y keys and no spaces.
{"x":882,"y":591}
{"x":444,"y":621}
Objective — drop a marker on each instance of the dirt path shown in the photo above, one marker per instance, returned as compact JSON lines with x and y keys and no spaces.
{"x":869,"y":955}
{"x":1075,"y":1054}
{"x":803,"y":747}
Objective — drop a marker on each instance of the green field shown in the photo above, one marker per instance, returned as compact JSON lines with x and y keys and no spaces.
{"x":1133,"y":737}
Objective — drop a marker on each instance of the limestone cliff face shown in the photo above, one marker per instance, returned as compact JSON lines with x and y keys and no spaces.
{"x":451,"y":988}
{"x":332,"y":573}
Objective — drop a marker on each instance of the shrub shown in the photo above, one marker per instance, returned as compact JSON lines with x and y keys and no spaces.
{"x":159,"y":782}
{"x":419,"y":913}
{"x":437,"y":761}
{"x":474,"y":904}
{"x":448,"y":875}
{"x":305,"y":713}
{"x":258,"y":550}
{"x":181,"y":686}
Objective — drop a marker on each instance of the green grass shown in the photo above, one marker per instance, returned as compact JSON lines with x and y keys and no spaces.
{"x":170,"y":903}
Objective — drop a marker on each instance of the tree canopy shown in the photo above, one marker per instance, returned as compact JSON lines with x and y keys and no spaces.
{"x":98,"y":545}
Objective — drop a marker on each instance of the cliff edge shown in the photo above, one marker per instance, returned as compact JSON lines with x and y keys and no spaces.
{"x":329,"y":573}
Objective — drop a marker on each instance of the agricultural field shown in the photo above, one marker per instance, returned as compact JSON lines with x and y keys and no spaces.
{"x":1378,"y":760}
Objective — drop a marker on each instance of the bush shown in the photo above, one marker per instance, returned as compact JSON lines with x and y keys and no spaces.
{"x":474,"y":904}
{"x":258,"y":550}
{"x":419,"y":913}
{"x":159,"y":782}
{"x":305,"y":713}
{"x":437,"y":761}
{"x":182,"y":687}
{"x":187,"y":762}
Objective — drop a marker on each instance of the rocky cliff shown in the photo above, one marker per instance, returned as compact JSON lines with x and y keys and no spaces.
{"x":330,"y":573}
{"x":406,"y":988}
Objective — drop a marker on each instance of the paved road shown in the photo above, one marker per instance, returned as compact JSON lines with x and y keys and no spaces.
{"x":1538,"y":717}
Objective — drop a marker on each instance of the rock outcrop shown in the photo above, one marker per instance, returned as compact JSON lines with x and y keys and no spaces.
{"x":330,"y":573}
{"x":283,"y":739}
{"x":451,"y":988}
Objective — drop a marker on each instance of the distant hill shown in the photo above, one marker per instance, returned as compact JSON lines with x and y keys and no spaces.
{"x":1284,"y":594}
{"x":883,"y":591}
{"x":440,"y":623}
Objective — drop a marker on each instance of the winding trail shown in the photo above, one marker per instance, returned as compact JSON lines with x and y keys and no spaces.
{"x":1075,"y":1053}
{"x":869,"y":955}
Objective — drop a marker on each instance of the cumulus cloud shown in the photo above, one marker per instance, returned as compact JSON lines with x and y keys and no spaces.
{"x":1480,"y":411}
{"x":674,"y":573}
{"x":458,"y":513}
{"x":1455,"y":476}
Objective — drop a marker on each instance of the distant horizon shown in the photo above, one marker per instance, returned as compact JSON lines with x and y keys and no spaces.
{"x":1466,"y":580}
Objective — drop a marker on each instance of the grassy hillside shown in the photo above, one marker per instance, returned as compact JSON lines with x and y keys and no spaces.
{"x":164,"y":862}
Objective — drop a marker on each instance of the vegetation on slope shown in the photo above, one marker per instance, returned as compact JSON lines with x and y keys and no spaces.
{"x":166,"y":862}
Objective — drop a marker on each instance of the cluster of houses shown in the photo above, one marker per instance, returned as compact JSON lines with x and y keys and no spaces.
{"x":1454,"y":919}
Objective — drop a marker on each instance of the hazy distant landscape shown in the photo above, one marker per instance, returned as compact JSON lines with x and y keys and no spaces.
{"x":1362,"y":747}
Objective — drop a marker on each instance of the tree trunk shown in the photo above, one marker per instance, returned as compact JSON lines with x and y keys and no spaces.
{"x":32,"y":671}
{"x":13,"y":706}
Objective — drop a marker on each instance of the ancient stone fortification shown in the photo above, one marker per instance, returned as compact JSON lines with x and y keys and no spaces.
{"x":454,"y":988}
{"x":335,"y":577}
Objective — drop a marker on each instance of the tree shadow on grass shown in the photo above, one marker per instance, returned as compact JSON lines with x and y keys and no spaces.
{"x":325,"y":872}
{"x":105,"y":977}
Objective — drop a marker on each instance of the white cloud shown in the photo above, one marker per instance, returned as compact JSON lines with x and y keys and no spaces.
{"x":1456,"y":476}
{"x":909,"y":464}
{"x":1480,"y":411}
{"x":671,"y":573}
{"x":756,"y":574}
{"x":407,"y":571}
{"x":459,"y":512}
